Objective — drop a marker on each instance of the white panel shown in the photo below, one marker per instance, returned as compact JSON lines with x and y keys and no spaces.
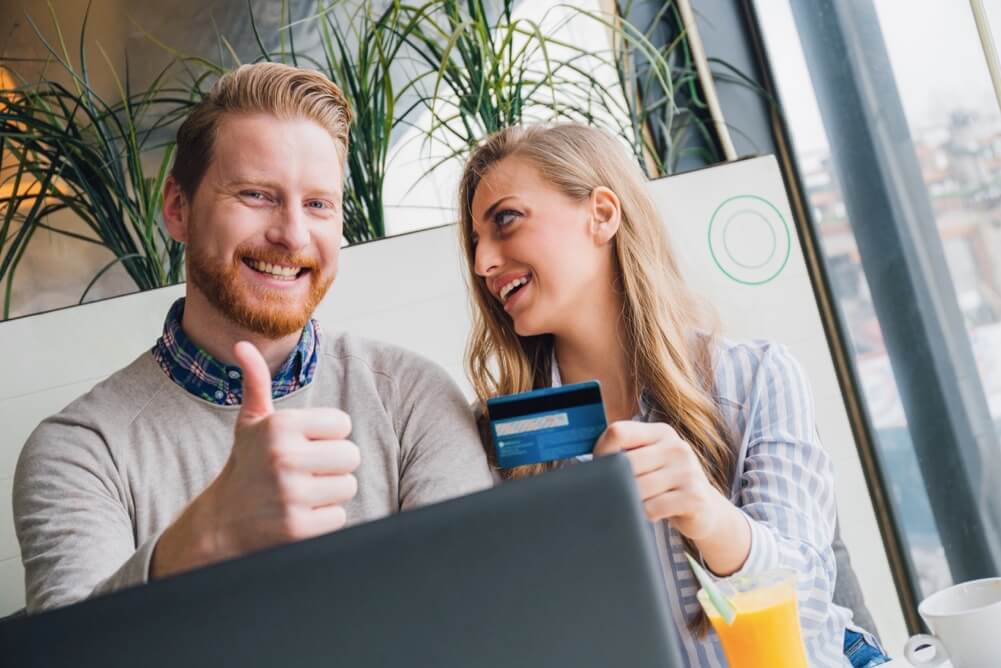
{"x":409,"y":290}
{"x":82,"y":342}
{"x":20,"y":414}
{"x":732,"y":229}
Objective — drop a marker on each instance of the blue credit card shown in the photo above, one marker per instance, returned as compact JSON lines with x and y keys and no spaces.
{"x":546,"y":425}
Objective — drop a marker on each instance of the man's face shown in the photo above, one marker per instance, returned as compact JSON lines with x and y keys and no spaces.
{"x":264,"y":228}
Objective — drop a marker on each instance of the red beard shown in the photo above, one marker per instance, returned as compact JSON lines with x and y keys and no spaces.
{"x":271,"y":313}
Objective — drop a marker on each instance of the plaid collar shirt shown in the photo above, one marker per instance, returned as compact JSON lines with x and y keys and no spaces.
{"x":205,"y":377}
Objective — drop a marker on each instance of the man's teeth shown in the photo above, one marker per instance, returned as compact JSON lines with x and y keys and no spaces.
{"x":509,"y":287}
{"x":275,"y":270}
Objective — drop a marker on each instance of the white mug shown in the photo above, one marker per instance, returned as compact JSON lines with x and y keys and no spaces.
{"x":966,"y":621}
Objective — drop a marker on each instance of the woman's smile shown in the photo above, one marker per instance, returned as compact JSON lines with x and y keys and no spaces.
{"x":514,"y":293}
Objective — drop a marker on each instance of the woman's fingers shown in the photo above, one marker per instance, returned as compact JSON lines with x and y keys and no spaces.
{"x":666,"y":506}
{"x":669,"y":477}
{"x":628,"y":435}
{"x":656,"y":482}
{"x":648,"y":458}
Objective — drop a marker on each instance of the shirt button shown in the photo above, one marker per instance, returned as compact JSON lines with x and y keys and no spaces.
{"x":219,"y":394}
{"x":234,"y":374}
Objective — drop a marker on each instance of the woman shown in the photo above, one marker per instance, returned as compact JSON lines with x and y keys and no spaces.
{"x":574,"y":279}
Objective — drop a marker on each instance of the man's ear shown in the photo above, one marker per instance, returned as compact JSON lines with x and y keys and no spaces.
{"x":606,"y":214}
{"x":176,"y":210}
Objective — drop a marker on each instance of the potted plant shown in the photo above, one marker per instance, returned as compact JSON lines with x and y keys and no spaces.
{"x":471,"y":71}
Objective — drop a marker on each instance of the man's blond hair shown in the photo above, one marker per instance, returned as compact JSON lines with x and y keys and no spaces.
{"x":270,"y":88}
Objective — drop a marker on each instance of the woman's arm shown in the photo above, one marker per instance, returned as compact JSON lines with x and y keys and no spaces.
{"x":786,"y":512}
{"x":787,"y":485}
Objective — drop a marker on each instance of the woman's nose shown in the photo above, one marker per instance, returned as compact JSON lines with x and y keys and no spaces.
{"x":487,"y":257}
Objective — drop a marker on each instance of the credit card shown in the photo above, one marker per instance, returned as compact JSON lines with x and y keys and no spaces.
{"x":546,"y":425}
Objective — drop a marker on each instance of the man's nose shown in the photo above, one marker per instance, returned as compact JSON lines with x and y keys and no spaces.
{"x":290,"y":229}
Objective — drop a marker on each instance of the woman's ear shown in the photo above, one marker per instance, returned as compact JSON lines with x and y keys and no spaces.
{"x":175,"y":210}
{"x":606,"y":214}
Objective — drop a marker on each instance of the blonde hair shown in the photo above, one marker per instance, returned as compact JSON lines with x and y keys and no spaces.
{"x":668,"y":333}
{"x":272,"y":88}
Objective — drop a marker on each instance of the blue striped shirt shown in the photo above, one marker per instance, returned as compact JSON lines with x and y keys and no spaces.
{"x":784,"y":483}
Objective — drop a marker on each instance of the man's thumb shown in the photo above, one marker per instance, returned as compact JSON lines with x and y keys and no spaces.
{"x":256,"y":381}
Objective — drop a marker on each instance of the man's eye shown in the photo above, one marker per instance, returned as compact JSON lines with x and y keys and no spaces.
{"x":504,"y":218}
{"x":318,"y":204}
{"x":256,"y":195}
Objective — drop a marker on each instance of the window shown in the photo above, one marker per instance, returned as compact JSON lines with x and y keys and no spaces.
{"x":421,"y":188}
{"x":911,"y":122}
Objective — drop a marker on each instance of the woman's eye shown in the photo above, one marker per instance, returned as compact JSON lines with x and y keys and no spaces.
{"x":504,"y":218}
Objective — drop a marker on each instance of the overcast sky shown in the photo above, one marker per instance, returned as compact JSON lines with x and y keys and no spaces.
{"x":935,"y":52}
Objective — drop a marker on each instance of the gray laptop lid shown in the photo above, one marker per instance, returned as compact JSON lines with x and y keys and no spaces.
{"x":557,"y":570}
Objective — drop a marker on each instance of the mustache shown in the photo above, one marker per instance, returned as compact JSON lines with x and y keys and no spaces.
{"x":273,"y":256}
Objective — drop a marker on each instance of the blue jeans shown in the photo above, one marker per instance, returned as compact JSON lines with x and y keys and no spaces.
{"x":861,"y":652}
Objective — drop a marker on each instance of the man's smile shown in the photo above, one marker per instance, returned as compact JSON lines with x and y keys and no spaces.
{"x":279,"y":271}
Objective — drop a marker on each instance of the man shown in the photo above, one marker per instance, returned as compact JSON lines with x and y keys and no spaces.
{"x":232,"y":433}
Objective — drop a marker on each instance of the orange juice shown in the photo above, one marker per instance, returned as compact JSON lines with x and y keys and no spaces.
{"x":765,"y":633}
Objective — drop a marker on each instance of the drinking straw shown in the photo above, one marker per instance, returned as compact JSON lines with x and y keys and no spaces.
{"x":722,"y":604}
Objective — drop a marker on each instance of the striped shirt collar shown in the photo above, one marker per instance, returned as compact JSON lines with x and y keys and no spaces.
{"x":207,"y":378}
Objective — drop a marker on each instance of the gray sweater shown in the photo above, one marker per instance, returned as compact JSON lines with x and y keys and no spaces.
{"x":97,"y":483}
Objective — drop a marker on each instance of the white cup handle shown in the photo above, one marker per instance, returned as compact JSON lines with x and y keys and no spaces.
{"x":923,"y":640}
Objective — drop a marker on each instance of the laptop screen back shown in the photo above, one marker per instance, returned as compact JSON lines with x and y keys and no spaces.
{"x":557,"y":570}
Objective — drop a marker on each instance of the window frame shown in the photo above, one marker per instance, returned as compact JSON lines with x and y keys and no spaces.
{"x":929,"y":350}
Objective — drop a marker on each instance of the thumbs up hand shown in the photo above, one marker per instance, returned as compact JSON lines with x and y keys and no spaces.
{"x":256,"y":384}
{"x":288,"y":477}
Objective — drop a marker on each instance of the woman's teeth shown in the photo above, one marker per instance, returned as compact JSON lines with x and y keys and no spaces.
{"x":276,"y":270}
{"x":508,"y":288}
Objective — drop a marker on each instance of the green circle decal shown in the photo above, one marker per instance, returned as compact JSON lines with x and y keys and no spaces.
{"x":749,"y":240}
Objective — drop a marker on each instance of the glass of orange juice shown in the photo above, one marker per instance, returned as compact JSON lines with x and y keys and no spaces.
{"x":765,"y":632}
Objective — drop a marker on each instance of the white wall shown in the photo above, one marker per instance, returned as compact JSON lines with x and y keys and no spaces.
{"x":409,"y":290}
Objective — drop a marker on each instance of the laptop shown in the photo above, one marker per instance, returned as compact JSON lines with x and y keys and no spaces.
{"x":556,"y":570}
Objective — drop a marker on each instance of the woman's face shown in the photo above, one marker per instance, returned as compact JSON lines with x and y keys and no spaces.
{"x":540,"y":252}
